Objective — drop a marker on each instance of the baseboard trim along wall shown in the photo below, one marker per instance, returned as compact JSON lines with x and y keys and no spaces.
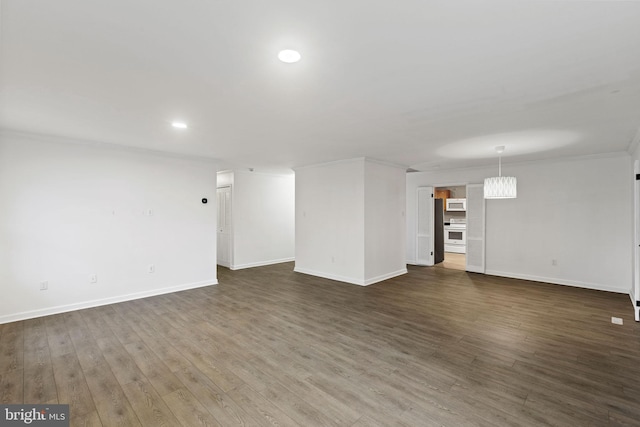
{"x":387,"y":276}
{"x":554,"y":281}
{"x":105,"y":301}
{"x":345,"y":279}
{"x":351,"y":280}
{"x":261,"y":263}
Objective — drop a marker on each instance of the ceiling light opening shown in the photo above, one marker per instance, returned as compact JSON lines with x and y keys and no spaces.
{"x":179,"y":125}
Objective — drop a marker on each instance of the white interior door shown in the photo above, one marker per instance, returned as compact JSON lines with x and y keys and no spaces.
{"x":635,"y":289}
{"x":424,"y":235}
{"x":223,"y":199}
{"x":475,"y":228}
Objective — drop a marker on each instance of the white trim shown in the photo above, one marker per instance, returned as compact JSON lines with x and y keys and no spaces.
{"x":634,"y":142}
{"x":554,"y":281}
{"x":335,"y":162}
{"x":354,"y":159}
{"x":359,"y":282}
{"x":261,"y":263}
{"x":105,"y":301}
{"x":473,"y":235}
{"x":231,"y":248}
{"x":10,"y":133}
{"x":425,"y":194}
{"x":607,"y":155}
{"x":383,"y":277}
{"x":412,"y":262}
{"x":345,"y":279}
{"x":385,"y":163}
{"x":288,"y":174}
{"x":463,"y":184}
{"x":636,"y":308}
{"x":635,"y":284}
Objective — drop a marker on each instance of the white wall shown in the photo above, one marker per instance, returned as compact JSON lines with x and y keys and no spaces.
{"x":224,"y":179}
{"x":263,"y":211}
{"x":72,"y":210}
{"x":330,"y":220}
{"x":349,"y":221}
{"x":576,"y":211}
{"x":385,"y":222}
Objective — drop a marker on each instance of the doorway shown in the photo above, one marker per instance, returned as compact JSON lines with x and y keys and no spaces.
{"x":454,"y":217}
{"x":224,"y":237}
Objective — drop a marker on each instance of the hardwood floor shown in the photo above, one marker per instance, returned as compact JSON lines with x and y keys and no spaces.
{"x":454,"y":261}
{"x":268,"y":346}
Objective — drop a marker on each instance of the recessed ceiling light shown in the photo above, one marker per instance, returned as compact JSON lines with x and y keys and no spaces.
{"x":289,"y":56}
{"x":179,"y":125}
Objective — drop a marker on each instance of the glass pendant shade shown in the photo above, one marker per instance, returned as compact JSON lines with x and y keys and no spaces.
{"x":500,"y":187}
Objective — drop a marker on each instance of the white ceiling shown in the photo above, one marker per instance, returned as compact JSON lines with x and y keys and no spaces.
{"x":424,"y":84}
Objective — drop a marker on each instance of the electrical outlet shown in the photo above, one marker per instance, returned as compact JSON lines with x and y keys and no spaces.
{"x":93,"y":278}
{"x":151,"y":268}
{"x":44,"y":285}
{"x":616,"y":321}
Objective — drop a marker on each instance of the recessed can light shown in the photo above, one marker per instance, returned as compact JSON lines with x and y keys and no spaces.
{"x":179,"y":125}
{"x":289,"y":56}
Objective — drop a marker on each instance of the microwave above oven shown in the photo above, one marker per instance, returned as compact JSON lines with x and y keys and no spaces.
{"x":456,"y":205}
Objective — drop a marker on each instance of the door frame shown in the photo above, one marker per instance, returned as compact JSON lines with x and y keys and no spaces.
{"x":230,"y":240}
{"x":477,"y":243}
{"x":417,"y":235}
{"x":634,"y":293}
{"x":424,"y":235}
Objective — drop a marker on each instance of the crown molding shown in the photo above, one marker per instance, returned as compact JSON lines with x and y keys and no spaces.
{"x":6,"y":134}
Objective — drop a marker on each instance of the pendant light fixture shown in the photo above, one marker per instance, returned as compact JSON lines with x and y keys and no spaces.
{"x":500,"y":187}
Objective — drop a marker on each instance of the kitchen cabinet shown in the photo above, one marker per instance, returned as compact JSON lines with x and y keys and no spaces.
{"x":442,"y":194}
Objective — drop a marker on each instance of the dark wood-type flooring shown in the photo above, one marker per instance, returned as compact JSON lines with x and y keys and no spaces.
{"x":268,"y":346}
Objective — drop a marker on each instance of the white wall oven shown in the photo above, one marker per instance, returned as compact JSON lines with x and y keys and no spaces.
{"x":455,"y":236}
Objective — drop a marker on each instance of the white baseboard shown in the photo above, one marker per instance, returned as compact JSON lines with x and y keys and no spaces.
{"x":261,"y":263}
{"x":636,"y":307}
{"x":105,"y":301}
{"x":324,"y":275}
{"x":351,"y":280}
{"x":555,"y":281}
{"x":387,"y":276}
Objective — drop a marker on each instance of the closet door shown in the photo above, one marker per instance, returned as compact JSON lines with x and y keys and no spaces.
{"x":475,"y":228}
{"x":224,"y":226}
{"x":424,"y":235}
{"x":635,"y":290}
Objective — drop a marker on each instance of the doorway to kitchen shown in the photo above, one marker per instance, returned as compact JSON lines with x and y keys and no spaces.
{"x":454,"y":224}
